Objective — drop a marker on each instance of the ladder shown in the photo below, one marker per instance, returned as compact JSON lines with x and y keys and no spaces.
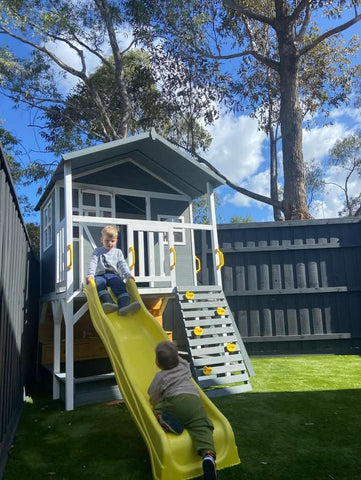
{"x":217,"y":355}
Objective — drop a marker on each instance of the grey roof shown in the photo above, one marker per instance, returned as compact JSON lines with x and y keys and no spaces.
{"x":148,"y":150}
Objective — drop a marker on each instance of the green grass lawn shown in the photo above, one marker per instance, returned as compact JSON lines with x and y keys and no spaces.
{"x":302,"y":421}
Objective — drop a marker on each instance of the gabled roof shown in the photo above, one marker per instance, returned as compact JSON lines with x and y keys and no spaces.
{"x":148,"y":150}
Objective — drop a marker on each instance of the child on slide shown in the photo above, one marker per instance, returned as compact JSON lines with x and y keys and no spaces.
{"x":108,"y":267}
{"x":177,"y":404}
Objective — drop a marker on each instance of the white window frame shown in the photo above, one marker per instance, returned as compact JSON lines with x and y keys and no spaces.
{"x":97,"y":209}
{"x":47,"y":222}
{"x":173,"y":219}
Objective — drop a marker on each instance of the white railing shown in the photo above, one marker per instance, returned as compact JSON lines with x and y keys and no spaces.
{"x":60,"y":257}
{"x":146,"y":247}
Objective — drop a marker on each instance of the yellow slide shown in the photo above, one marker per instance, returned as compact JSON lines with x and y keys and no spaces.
{"x":130,"y":341}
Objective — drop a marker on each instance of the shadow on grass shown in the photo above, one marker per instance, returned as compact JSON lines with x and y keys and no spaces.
{"x":283,"y":435}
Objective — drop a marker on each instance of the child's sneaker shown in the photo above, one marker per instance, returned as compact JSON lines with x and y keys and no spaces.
{"x":169,"y":423}
{"x":107,"y":303}
{"x":131,"y":308}
{"x":209,"y":467}
{"x":109,"y":307}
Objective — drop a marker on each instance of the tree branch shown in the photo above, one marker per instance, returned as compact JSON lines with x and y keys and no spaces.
{"x":244,"y":191}
{"x":265,"y":60}
{"x":106,"y":14}
{"x":305,"y":22}
{"x":77,"y":73}
{"x":297,"y":11}
{"x":328,"y":34}
{"x":249,"y":13}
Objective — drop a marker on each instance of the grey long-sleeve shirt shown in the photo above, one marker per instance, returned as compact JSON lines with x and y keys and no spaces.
{"x":108,"y":261}
{"x":168,"y":383}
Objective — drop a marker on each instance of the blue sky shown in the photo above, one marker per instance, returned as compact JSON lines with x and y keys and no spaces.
{"x":239,"y":151}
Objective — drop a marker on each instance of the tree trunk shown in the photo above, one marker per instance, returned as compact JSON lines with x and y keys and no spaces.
{"x":294,"y":197}
{"x":123,"y":97}
{"x":277,"y":215}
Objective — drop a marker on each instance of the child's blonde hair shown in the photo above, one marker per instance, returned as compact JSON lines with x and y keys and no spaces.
{"x":110,"y":231}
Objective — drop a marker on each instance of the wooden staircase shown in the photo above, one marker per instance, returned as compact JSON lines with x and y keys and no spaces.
{"x":217,"y":355}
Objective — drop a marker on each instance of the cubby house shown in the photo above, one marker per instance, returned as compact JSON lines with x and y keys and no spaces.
{"x":145,"y":186}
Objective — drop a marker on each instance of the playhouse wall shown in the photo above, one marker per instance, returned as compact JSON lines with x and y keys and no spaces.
{"x":131,"y":177}
{"x":48,"y":257}
{"x":184,"y":266}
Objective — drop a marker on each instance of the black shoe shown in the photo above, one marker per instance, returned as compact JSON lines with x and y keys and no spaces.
{"x":170,"y":424}
{"x":209,"y":467}
{"x":131,"y":308}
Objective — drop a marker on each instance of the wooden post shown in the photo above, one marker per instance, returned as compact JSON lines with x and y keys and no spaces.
{"x":57,"y":316}
{"x":68,"y":313}
{"x":214,"y":235}
{"x":193,"y":247}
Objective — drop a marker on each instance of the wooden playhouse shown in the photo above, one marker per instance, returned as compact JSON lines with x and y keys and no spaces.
{"x":145,"y":186}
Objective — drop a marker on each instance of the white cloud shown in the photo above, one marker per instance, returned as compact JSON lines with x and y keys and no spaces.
{"x":70,"y":57}
{"x":318,"y":141}
{"x":236,"y":149}
{"x":237,"y":152}
{"x":316,"y":145}
{"x":347,"y":113}
{"x":334,"y":197}
{"x":258,"y":183}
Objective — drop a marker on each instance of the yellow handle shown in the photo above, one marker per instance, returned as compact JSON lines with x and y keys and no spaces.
{"x":131,"y":249}
{"x":70,"y":248}
{"x":221,"y":258}
{"x":172,"y":250}
{"x":198,"y":262}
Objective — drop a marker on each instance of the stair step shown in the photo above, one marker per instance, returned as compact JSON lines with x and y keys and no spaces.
{"x":226,"y":368}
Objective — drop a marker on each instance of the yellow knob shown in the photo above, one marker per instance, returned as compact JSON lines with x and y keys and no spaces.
{"x":198,"y":331}
{"x":207,"y":370}
{"x":231,"y":347}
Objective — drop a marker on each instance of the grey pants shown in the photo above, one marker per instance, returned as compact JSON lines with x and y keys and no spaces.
{"x":190,"y":411}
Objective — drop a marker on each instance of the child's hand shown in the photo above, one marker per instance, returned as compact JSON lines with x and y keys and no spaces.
{"x":88,"y":277}
{"x":131,"y":278}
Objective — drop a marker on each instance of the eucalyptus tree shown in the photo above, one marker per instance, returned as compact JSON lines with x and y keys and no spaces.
{"x":229,"y":38}
{"x":82,"y":80}
{"x":76,"y":121}
{"x":346,"y":156}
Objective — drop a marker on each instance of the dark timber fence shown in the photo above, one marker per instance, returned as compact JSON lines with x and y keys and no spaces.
{"x":19,"y":273}
{"x":293,"y":287}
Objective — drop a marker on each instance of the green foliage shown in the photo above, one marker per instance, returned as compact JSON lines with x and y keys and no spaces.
{"x":239,"y":219}
{"x":200,"y":209}
{"x":117,"y":90}
{"x":315,"y":184}
{"x":268,"y":59}
{"x":9,"y":144}
{"x":33,"y":230}
{"x":76,"y":123}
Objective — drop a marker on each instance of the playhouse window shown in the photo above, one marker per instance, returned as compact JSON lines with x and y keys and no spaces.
{"x":179,"y":238}
{"x":96,"y":204}
{"x":47,"y":226}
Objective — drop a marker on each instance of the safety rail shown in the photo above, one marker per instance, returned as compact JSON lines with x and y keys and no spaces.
{"x":148,"y":246}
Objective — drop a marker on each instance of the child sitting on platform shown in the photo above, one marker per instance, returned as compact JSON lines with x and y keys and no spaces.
{"x":177,"y":404}
{"x":107,"y":266}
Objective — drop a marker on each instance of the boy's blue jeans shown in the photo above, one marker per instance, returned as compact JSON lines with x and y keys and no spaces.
{"x":117,"y":285}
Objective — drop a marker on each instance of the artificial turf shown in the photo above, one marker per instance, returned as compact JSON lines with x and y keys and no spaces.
{"x":301,"y":421}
